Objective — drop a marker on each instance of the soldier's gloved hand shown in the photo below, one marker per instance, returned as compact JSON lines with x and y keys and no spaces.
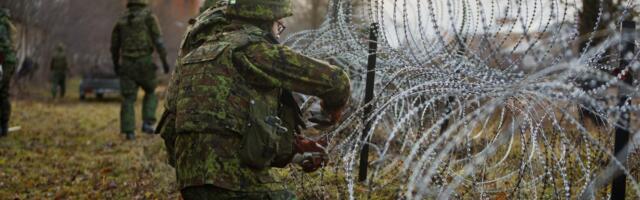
{"x":334,"y":114}
{"x":310,"y":155}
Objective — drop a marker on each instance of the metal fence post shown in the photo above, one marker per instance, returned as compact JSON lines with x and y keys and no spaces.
{"x":368,"y":97}
{"x":618,"y":186}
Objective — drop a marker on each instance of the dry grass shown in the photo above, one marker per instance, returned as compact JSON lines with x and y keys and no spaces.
{"x":69,"y":149}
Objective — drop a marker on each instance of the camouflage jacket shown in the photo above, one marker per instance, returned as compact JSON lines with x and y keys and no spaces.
{"x":59,"y":64}
{"x":136,"y":34}
{"x":7,"y":34}
{"x":230,"y":79}
{"x":7,"y":52}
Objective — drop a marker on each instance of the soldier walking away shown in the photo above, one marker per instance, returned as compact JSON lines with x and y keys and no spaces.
{"x":133,"y":41}
{"x":230,"y":115}
{"x":7,"y":64}
{"x":59,"y":70}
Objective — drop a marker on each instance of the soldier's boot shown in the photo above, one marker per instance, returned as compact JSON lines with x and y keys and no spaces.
{"x":130,"y":136}
{"x":148,"y":127}
{"x":127,"y":112}
{"x":149,"y":106}
{"x":54,"y":90}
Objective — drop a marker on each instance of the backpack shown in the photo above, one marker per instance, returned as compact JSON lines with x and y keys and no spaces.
{"x":135,"y":34}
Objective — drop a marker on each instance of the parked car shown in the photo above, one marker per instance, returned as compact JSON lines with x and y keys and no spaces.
{"x":99,"y":84}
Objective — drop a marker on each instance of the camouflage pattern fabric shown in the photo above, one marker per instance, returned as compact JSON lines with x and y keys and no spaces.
{"x":7,"y":52}
{"x":134,"y":38}
{"x":139,"y":73}
{"x":207,"y":192}
{"x":230,"y":78}
{"x":136,"y":34}
{"x":264,"y":10}
{"x":59,"y":69}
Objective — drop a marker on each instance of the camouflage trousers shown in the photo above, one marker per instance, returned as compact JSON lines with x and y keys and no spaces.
{"x":211,"y":192}
{"x":5,"y":103}
{"x":137,"y":73}
{"x":58,"y":83}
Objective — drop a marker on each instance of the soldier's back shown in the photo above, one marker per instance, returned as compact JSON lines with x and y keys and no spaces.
{"x":5,"y":34}
{"x":135,"y":39}
{"x":59,"y":63}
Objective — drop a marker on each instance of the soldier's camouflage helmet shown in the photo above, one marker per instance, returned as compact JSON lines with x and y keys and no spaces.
{"x":60,"y":47}
{"x":137,"y":2}
{"x":265,"y":10}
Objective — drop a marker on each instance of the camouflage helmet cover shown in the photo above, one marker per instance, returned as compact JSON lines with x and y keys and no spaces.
{"x":265,"y":10}
{"x":137,"y":2}
{"x":60,"y":47}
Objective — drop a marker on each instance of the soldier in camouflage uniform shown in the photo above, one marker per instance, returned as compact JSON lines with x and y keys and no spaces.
{"x":59,"y":69}
{"x":8,"y":63}
{"x":133,"y":41}
{"x":230,"y":115}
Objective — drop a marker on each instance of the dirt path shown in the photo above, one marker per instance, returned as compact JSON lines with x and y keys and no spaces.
{"x":72,"y":150}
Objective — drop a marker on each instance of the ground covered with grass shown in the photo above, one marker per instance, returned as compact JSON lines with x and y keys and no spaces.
{"x":72,"y":149}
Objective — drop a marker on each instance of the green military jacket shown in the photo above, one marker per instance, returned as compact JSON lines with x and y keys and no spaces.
{"x":59,"y":64}
{"x":136,"y":35}
{"x":231,"y":78}
{"x":7,"y":34}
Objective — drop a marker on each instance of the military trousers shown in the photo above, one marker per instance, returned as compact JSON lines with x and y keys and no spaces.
{"x":58,"y":83}
{"x":137,"y":73}
{"x":206,"y":192}
{"x":5,"y":103}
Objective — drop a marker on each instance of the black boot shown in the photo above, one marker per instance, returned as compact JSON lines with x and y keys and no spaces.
{"x":131,"y":136}
{"x":148,"y":128}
